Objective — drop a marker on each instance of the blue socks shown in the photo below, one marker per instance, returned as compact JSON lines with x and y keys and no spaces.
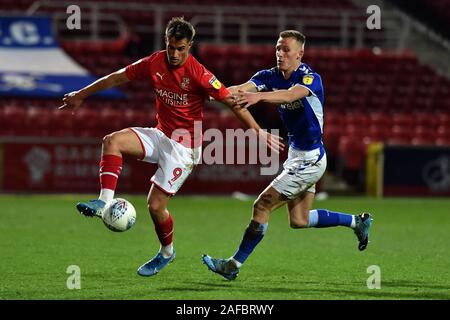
{"x":319,"y":218}
{"x":322,"y":218}
{"x":252,"y":236}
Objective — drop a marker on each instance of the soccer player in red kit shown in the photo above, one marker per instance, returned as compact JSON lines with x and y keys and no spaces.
{"x":181,"y":85}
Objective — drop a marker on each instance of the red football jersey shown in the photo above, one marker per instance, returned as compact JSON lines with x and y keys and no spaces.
{"x":180,"y":94}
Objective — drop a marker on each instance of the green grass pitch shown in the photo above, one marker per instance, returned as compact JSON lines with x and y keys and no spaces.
{"x":42,"y":235}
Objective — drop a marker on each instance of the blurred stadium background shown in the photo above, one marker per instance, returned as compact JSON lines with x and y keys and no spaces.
{"x":387,"y":131}
{"x":389,"y":85}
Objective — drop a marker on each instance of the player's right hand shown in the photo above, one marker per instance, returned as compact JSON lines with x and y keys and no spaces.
{"x":71,"y":100}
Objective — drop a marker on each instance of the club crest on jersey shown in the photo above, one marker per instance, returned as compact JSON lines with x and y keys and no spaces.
{"x":185,"y":83}
{"x":308,"y":79}
{"x":215,"y":83}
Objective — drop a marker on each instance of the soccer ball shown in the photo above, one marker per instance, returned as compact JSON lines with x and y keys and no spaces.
{"x":119,"y":215}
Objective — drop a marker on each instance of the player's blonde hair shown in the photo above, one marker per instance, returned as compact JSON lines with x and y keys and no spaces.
{"x":300,"y":37}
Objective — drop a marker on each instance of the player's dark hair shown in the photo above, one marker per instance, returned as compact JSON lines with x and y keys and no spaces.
{"x":300,"y":37}
{"x":179,"y":28}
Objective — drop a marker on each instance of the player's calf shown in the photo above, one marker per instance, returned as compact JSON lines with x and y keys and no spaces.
{"x":298,"y":222}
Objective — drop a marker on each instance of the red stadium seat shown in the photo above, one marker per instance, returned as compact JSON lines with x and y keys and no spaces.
{"x":421,"y":141}
{"x":351,"y":150}
{"x":402,"y":120}
{"x":331,"y":136}
{"x":443,"y":131}
{"x":442,"y":141}
{"x":380,"y":119}
{"x":425,"y":119}
{"x":87,"y":119}
{"x":37,"y":121}
{"x":13,"y":119}
{"x":376,"y":132}
{"x":443,"y":119}
{"x":357,"y":118}
{"x":334,"y":118}
{"x":62,"y":123}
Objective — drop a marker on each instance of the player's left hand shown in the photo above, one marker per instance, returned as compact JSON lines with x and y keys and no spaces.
{"x":72,"y":100}
{"x":246,"y":99}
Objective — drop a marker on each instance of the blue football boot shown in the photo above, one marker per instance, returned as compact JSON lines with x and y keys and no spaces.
{"x":153,"y":266}
{"x":92,"y":208}
{"x":226,"y":268}
{"x":363,"y":223}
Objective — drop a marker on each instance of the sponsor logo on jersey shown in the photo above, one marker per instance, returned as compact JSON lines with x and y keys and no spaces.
{"x":292,"y":106}
{"x":172,"y":98}
{"x":215,"y":83}
{"x":308,"y":79}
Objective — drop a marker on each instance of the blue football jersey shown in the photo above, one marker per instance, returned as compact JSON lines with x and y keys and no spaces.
{"x":303,"y":118}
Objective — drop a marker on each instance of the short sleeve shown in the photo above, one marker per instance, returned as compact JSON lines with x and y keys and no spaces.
{"x":261,"y":80}
{"x":139,"y":70}
{"x":312,"y":82}
{"x":212,"y":85}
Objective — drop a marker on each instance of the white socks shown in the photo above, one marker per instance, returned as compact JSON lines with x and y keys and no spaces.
{"x":106,"y":195}
{"x":166,"y":251}
{"x":237,"y":263}
{"x":353,"y":224}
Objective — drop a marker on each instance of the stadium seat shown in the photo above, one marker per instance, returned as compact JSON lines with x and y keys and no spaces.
{"x":357,"y":118}
{"x":443,"y":118}
{"x":402,"y":120}
{"x":331,"y":136}
{"x":13,"y":116}
{"x":443,"y":131}
{"x":37,"y":121}
{"x":379,"y":119}
{"x":351,"y":151}
{"x":442,"y":141}
{"x":62,"y":124}
{"x":424,"y":119}
{"x":376,"y":132}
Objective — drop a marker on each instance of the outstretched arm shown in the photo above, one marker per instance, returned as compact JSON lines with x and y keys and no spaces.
{"x":246,"y":99}
{"x":245,"y":87}
{"x":74,"y":99}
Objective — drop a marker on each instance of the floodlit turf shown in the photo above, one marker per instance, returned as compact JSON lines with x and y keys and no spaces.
{"x":41,"y":236}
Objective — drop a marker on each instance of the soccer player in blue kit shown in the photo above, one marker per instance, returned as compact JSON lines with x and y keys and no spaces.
{"x":299,"y":93}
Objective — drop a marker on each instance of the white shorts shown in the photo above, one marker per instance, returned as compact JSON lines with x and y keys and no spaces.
{"x":301,"y":171}
{"x":175,"y":161}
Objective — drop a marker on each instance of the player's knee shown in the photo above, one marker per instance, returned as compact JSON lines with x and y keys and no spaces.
{"x":257,"y":206}
{"x":261,"y":210}
{"x":155,"y":207}
{"x":109,"y":142}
